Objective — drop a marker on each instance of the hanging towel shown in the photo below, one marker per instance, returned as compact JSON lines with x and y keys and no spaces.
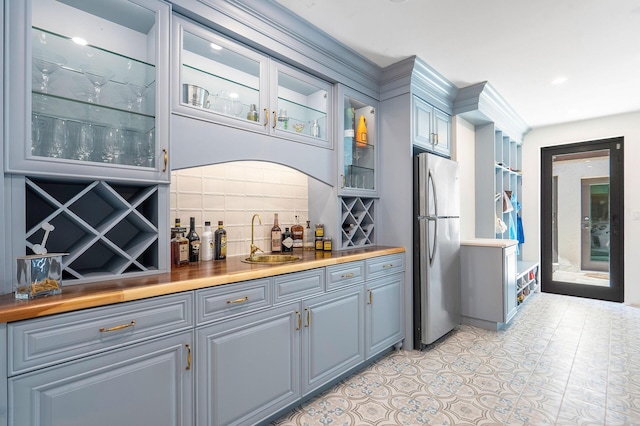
{"x":520,"y":230}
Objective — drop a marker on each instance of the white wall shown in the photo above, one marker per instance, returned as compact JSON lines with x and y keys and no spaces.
{"x":464,"y":153}
{"x":625,"y":125}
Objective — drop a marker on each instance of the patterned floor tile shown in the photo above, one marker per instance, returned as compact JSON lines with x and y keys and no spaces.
{"x":561,"y":361}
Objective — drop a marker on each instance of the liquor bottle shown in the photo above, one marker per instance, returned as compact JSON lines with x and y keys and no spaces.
{"x":287,"y":241}
{"x":179,"y":246}
{"x":297,"y":231}
{"x":315,"y":129}
{"x":361,"y":133}
{"x":207,"y":243}
{"x":252,"y":115}
{"x":276,"y":235}
{"x":194,"y":241}
{"x":220,"y":242}
{"x":309,"y":237}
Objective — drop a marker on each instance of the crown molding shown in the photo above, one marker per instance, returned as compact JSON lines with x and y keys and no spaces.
{"x":480,"y":104}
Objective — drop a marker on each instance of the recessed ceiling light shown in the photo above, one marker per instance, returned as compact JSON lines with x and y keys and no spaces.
{"x":559,"y":80}
{"x":398,"y":1}
{"x":215,"y":46}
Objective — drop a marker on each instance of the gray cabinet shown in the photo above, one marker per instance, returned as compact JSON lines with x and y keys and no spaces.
{"x":248,"y":367}
{"x":332,"y":335}
{"x":219,"y":80}
{"x":144,"y":384}
{"x":385,"y":318}
{"x":94,"y":106}
{"x":129,"y":363}
{"x":431,"y":128}
{"x":489,"y":270}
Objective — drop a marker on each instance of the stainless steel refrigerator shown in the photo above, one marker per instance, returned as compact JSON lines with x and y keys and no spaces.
{"x":436,"y":251}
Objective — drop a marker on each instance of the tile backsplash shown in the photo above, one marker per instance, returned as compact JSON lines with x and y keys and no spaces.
{"x":233,"y":193}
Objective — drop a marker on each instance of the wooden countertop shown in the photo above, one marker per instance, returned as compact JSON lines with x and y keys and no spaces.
{"x":205,"y":274}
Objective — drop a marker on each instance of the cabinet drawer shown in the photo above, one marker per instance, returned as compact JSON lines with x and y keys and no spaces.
{"x":42,"y":342}
{"x":384,"y":265}
{"x":299,"y":284}
{"x":232,"y":299}
{"x":343,"y":275}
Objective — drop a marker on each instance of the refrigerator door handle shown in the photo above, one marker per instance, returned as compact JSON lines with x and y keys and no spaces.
{"x":432,"y":189}
{"x":432,"y":250}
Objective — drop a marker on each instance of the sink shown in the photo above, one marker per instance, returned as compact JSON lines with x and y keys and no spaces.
{"x":272,"y":259}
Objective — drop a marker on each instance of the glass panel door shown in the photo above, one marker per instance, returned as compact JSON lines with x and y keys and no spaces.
{"x":93,"y":86}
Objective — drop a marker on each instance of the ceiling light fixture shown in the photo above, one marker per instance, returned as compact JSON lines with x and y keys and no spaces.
{"x":559,"y":80}
{"x":215,"y":46}
{"x":79,"y":40}
{"x":398,"y":1}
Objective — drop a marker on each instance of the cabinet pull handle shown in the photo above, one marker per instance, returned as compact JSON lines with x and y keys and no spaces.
{"x":242,"y":299}
{"x":435,"y":139}
{"x":166,"y":159}
{"x":308,"y":317}
{"x":117,"y":327}
{"x":344,"y":180}
{"x":370,"y":297}
{"x":349,"y":275}
{"x":388,"y":265}
{"x":299,"y":320}
{"x":275,"y":120}
{"x":188,"y":367}
{"x":266,"y":117}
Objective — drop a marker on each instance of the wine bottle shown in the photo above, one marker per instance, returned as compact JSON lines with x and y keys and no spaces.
{"x":361,"y":133}
{"x":309,"y":237}
{"x":220,"y":242}
{"x":179,"y":246}
{"x":276,"y":235}
{"x":194,"y":241}
{"x":287,"y":241}
{"x":297,"y":231}
{"x":207,"y":243}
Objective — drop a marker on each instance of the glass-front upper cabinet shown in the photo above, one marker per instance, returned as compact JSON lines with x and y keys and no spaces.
{"x":357,"y":156}
{"x":219,"y":80}
{"x":88,"y":80}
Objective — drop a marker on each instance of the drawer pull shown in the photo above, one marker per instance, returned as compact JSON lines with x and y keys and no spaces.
{"x":188,"y":356}
{"x":388,"y":265}
{"x":349,"y":275}
{"x":299,"y":320}
{"x":242,"y":299}
{"x":117,"y":327}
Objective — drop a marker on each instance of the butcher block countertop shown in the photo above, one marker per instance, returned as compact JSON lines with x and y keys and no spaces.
{"x":205,"y":274}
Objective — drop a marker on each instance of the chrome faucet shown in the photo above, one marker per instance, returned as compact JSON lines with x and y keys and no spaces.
{"x":254,"y":248}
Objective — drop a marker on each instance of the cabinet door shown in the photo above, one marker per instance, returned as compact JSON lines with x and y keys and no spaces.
{"x":357,"y":143}
{"x":422,"y":120}
{"x":248,"y":367}
{"x":300,"y":106}
{"x":333,"y":335}
{"x":88,"y":89}
{"x":442,"y":132}
{"x":510,"y":283}
{"x":385,"y":313}
{"x":146,"y":384}
{"x":218,"y":80}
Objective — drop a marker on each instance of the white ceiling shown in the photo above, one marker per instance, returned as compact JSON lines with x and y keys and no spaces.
{"x":519,"y":46}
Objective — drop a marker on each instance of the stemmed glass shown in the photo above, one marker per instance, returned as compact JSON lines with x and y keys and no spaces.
{"x":98,"y":79}
{"x":60,"y":139}
{"x":139,"y":91}
{"x":39,"y":132}
{"x":47,"y":65}
{"x":85,"y":142}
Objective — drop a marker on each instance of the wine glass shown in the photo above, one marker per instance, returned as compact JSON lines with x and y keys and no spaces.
{"x":98,"y":78}
{"x":85,"y":142}
{"x":47,"y":65}
{"x":60,"y":139}
{"x":139,"y":91}
{"x":39,"y":129}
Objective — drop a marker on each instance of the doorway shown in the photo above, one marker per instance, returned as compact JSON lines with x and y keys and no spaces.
{"x":582,"y":219}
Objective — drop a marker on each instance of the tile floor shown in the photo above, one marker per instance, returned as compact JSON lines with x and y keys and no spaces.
{"x":562,"y":361}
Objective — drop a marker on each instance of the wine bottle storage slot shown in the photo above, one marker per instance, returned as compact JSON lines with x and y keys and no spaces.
{"x":357,"y":222}
{"x":108,"y":229}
